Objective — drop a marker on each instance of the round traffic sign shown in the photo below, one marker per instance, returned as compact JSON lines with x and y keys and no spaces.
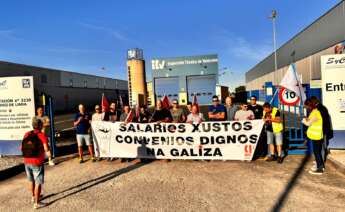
{"x":288,"y":97}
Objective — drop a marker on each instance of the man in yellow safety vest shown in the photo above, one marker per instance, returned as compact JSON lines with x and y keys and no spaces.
{"x":274,"y":130}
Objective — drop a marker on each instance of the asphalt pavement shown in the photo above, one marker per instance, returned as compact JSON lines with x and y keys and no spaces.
{"x":181,"y":186}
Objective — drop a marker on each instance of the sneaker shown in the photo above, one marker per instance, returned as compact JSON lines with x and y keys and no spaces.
{"x":80,"y":160}
{"x":51,"y":163}
{"x":280,"y":159}
{"x":269,"y":158}
{"x":314,"y":168}
{"x":317,"y":172}
{"x":93,"y":159}
{"x":39,"y":205}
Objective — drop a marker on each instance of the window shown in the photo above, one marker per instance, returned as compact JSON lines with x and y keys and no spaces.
{"x":44,"y":78}
{"x":209,"y":93}
{"x":175,"y":95}
{"x":85,"y":83}
{"x":71,"y":82}
{"x":198,"y":94}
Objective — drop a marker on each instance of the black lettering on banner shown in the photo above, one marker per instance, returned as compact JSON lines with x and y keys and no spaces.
{"x":158,"y":128}
{"x":174,"y":152}
{"x":226,"y":126}
{"x":196,"y":128}
{"x":217,"y":152}
{"x":128,"y":139}
{"x":206,"y":127}
{"x":189,"y":140}
{"x":247,"y":125}
{"x":231,"y":139}
{"x":148,"y":128}
{"x":172,"y":128}
{"x":118,"y":139}
{"x":216,"y":127}
{"x":253,"y":139}
{"x":160,"y":152}
{"x":179,"y":140}
{"x":155,"y":140}
{"x":242,"y":139}
{"x":207,"y":152}
{"x":220,"y":140}
{"x":131,"y":128}
{"x":184,"y":152}
{"x":236,"y":126}
{"x":181,"y":128}
{"x":122,"y":128}
{"x":152,"y":152}
{"x":204,"y":140}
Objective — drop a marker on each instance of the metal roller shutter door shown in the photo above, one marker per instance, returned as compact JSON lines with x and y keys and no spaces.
{"x":167,"y":86}
{"x":203,"y":86}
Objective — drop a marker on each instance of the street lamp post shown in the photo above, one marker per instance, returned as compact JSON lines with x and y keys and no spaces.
{"x":273,"y":18}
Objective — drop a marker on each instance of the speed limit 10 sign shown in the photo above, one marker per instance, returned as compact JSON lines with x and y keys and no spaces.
{"x":288,"y":97}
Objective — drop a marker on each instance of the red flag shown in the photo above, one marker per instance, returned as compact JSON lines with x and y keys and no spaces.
{"x":195,"y":102}
{"x":105,"y":104}
{"x":165,"y":102}
{"x":129,"y":116}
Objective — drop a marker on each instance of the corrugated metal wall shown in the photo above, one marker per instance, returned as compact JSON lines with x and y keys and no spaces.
{"x":325,"y":32}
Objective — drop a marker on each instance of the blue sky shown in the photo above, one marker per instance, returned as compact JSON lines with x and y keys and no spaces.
{"x":86,"y":35}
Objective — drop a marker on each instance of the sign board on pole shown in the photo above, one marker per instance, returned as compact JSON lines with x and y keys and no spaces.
{"x":288,"y":97}
{"x":333,"y":93}
{"x":17,"y":107}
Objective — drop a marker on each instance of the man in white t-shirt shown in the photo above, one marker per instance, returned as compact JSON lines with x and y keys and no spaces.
{"x":244,"y":113}
{"x":195,"y":117}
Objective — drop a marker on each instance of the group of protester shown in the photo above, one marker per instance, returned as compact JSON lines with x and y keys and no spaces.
{"x":35,"y":145}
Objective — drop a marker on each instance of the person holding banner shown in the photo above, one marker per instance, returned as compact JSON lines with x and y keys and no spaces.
{"x":315,"y":134}
{"x":125,"y":113}
{"x":195,"y":117}
{"x":274,"y":131}
{"x":144,"y":115}
{"x":231,"y":108}
{"x":257,"y":109}
{"x":189,"y":108}
{"x":161,"y":114}
{"x":244,"y":113}
{"x":83,"y":127}
{"x":216,"y":111}
{"x":177,"y":113}
{"x":98,"y":115}
{"x":114,"y":113}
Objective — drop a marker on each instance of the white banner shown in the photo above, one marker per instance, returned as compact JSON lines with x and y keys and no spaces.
{"x":17,"y":107}
{"x":235,"y":140}
{"x":333,"y":88}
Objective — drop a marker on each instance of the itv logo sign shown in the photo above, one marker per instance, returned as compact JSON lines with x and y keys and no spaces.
{"x":158,"y":64}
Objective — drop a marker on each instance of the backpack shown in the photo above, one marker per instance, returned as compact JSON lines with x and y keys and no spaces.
{"x":32,"y":146}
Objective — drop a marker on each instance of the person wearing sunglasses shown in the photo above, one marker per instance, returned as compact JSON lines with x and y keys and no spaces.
{"x":216,"y":111}
{"x":244,"y":113}
{"x":177,"y":113}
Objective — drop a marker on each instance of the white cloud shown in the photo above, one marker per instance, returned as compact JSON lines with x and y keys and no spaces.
{"x":115,"y":33}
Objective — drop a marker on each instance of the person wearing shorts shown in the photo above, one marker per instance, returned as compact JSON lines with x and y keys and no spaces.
{"x":82,"y":124}
{"x":34,"y":166}
{"x":274,"y":130}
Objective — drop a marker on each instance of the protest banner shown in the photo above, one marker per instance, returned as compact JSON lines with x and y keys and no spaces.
{"x":228,"y":140}
{"x":17,"y":107}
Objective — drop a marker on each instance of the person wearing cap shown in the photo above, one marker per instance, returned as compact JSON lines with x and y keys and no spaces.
{"x":244,"y":113}
{"x":99,"y":115}
{"x":34,"y":166}
{"x":216,"y":111}
{"x":177,"y":112}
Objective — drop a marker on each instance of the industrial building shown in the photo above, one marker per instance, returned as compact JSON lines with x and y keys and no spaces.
{"x":68,"y":89}
{"x":325,"y":36}
{"x":183,"y":77}
{"x":137,"y":90}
